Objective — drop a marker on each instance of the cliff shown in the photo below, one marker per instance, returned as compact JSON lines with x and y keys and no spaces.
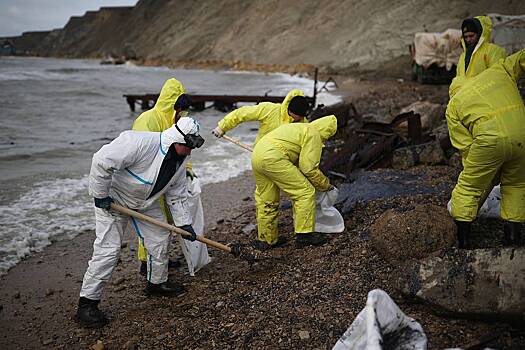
{"x":335,"y":35}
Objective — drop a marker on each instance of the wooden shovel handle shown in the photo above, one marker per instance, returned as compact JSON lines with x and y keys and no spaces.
{"x":238,"y":143}
{"x":169,"y":227}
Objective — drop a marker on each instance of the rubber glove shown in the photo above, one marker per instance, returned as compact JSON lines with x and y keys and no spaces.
{"x":189,"y":229}
{"x":103,"y":203}
{"x":217,"y":132}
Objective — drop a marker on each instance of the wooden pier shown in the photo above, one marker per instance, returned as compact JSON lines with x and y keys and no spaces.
{"x":223,"y":103}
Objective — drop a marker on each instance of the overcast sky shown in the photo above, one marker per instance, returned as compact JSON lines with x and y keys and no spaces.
{"x":17,"y":16}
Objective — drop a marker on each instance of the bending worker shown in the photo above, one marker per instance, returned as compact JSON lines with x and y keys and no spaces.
{"x":288,"y":159}
{"x":486,"y":123}
{"x":172,"y":104}
{"x":135,"y":170}
{"x":478,"y":52}
{"x":270,"y":115}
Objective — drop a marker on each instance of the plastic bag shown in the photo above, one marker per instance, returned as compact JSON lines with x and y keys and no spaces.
{"x":491,"y":207}
{"x":327,"y":217}
{"x":196,"y":253}
{"x":382,"y":324}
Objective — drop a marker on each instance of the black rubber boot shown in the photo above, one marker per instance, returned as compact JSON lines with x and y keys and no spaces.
{"x":309,"y":239}
{"x":512,"y":233}
{"x":88,"y":314}
{"x":263,"y":246}
{"x":165,"y":289}
{"x":464,"y":229}
{"x":143,"y":271}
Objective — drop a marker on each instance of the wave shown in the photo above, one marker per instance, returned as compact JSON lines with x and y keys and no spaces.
{"x":51,"y":210}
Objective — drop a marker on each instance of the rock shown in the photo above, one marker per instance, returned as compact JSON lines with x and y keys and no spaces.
{"x":118,"y":281}
{"x":119,"y":288}
{"x":304,"y":335}
{"x":416,"y":233}
{"x":485,"y":283}
{"x":99,"y":345}
{"x":245,"y":199}
{"x":248,"y":229}
{"x":431,"y":113}
{"x":131,"y":344}
{"x":219,"y":304}
{"x":426,"y":153}
{"x":47,"y":341}
{"x":49,"y":292}
{"x":220,"y":221}
{"x":16,"y":295}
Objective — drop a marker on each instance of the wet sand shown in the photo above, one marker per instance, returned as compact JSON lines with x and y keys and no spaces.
{"x":38,"y":296}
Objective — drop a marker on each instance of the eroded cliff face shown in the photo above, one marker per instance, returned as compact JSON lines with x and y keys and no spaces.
{"x":335,"y":35}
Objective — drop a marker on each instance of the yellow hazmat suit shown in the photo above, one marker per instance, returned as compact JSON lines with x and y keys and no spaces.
{"x":486,"y":122}
{"x":269,"y":115}
{"x":288,"y":159}
{"x":485,"y":53}
{"x":160,"y":118}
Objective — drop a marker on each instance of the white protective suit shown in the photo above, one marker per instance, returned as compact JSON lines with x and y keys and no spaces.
{"x":126,"y":170}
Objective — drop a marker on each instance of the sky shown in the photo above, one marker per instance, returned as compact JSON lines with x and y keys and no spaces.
{"x":17,"y":16}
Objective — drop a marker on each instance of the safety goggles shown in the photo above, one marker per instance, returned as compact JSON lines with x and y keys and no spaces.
{"x":191,"y":140}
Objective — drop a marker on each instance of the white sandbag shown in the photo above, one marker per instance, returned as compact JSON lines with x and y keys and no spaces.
{"x":327,"y":217}
{"x":382,"y":322}
{"x":491,"y":208}
{"x":196,"y":253}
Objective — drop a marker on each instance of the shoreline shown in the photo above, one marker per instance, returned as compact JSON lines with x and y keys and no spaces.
{"x":39,"y":295}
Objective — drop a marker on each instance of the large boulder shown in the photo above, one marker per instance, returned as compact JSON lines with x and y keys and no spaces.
{"x":486,"y":283}
{"x":427,"y":153}
{"x":431,"y":114}
{"x":414,"y":234}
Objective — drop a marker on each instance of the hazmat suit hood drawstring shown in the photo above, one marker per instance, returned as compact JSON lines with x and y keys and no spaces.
{"x":169,"y":94}
{"x":285,"y":117}
{"x":327,"y":126}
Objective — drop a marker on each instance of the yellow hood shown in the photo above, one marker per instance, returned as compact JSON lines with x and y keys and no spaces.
{"x":327,"y":126}
{"x":169,"y":94}
{"x":486,"y":33}
{"x":285,"y":117}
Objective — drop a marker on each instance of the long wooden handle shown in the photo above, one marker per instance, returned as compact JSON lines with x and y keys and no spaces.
{"x":169,"y":227}
{"x":238,"y":143}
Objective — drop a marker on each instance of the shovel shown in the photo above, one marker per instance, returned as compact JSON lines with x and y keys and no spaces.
{"x":235,"y":249}
{"x":238,"y":143}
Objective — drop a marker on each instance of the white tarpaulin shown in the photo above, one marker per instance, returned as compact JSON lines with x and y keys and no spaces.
{"x":442,"y":49}
{"x":382,"y":325}
{"x":196,"y":253}
{"x":327,"y":217}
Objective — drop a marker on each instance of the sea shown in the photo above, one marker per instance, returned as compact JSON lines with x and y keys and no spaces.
{"x":55,"y":113}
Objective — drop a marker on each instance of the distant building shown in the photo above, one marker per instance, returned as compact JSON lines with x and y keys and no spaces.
{"x":7,"y":48}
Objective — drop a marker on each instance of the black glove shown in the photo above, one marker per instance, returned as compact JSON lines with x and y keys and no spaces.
{"x":189,"y":229}
{"x":103,"y":203}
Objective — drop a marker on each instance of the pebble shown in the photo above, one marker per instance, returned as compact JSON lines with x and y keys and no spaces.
{"x":47,"y":341}
{"x":219,"y":304}
{"x":118,"y":281}
{"x":49,"y":292}
{"x":161,"y":337}
{"x":16,"y":295}
{"x":99,"y":345}
{"x":119,"y":288}
{"x":304,"y":335}
{"x":220,"y":221}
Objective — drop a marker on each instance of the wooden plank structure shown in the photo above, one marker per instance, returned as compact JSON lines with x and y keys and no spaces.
{"x":223,"y":103}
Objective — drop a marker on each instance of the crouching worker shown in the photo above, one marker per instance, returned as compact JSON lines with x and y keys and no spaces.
{"x":486,"y":123}
{"x":288,"y":159}
{"x":134,"y":170}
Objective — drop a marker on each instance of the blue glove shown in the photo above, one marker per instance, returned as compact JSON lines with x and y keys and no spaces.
{"x":189,"y":229}
{"x":103,"y":203}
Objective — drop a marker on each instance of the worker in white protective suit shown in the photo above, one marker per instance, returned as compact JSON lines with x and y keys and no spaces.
{"x":134,"y":170}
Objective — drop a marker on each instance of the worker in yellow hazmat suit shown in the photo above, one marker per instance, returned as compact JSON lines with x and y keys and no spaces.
{"x":486,"y":123}
{"x":478,"y":52}
{"x":170,"y":106}
{"x":270,"y":115}
{"x":288,"y":159}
